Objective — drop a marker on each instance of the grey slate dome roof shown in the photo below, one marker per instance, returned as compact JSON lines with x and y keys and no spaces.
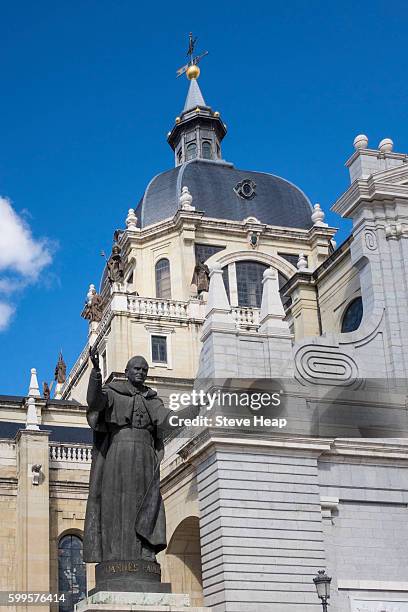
{"x":211,"y":183}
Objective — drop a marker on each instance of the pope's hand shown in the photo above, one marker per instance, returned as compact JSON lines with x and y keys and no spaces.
{"x":94,"y":357}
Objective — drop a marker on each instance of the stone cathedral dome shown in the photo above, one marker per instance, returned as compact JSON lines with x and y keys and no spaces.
{"x":219,"y":190}
{"x":222,"y":191}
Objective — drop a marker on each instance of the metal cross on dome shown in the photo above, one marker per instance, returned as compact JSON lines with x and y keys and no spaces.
{"x":190,"y":53}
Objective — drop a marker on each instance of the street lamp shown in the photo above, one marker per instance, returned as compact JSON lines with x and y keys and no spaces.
{"x":322,"y":582}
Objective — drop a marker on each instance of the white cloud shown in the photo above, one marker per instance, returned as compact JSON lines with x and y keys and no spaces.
{"x":19,"y":251}
{"x":6,"y":312}
{"x":22,"y":257}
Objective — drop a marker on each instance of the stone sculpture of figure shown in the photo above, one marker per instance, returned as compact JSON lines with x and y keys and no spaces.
{"x":93,"y":310}
{"x":46,"y":391}
{"x":125,"y":518}
{"x":201,"y":277}
{"x":60,"y":370}
{"x":115,"y":265}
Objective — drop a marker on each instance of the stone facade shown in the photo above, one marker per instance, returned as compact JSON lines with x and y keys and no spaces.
{"x":251,"y":514}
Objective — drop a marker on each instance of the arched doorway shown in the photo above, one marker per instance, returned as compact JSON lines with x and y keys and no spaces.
{"x":71,"y":571}
{"x":183,"y":560}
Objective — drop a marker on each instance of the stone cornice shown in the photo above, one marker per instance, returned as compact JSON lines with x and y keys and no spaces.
{"x":209,"y":439}
{"x":368,"y":190}
{"x":197,"y":220}
{"x":377,"y":154}
{"x":374,"y":448}
{"x":297,"y":280}
{"x":34,"y":432}
{"x":203,"y":445}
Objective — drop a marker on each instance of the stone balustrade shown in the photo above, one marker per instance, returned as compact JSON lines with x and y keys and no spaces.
{"x":173,"y":309}
{"x":246,"y":316}
{"x":157,"y":308}
{"x":71,"y":453}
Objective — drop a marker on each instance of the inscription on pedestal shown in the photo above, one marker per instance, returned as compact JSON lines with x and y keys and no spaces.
{"x":137,"y":576}
{"x":115,"y":567}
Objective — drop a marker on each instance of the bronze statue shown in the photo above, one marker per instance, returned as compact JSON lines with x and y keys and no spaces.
{"x":201,"y":277}
{"x":125,"y":518}
{"x":93,"y":310}
{"x":115,"y":265}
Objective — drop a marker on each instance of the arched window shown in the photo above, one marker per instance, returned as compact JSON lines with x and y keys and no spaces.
{"x":352,"y":316}
{"x":191,"y":151}
{"x":71,"y":572}
{"x":206,"y":150}
{"x":249,"y":282}
{"x":179,"y":155}
{"x":163,"y":286}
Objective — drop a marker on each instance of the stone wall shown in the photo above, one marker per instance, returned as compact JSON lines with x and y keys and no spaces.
{"x":261,"y":529}
{"x":366,"y":529}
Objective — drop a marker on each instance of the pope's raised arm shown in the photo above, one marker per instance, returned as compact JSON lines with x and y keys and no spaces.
{"x":96,"y":397}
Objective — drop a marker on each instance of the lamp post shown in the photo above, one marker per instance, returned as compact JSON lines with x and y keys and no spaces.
{"x":322,"y":583}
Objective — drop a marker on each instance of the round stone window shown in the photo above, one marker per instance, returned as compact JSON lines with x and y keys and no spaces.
{"x":246,"y":189}
{"x":352,"y":316}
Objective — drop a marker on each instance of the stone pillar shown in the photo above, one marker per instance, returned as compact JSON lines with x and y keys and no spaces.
{"x":275,"y":328}
{"x":260,"y":523}
{"x":33,"y":521}
{"x":304,"y":307}
{"x":272,"y":314}
{"x":219,"y":354}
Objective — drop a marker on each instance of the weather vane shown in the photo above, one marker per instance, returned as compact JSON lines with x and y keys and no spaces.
{"x":193,"y":61}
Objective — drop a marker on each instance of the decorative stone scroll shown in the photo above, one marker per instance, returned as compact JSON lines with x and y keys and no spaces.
{"x":370,"y":240}
{"x":325,"y":365}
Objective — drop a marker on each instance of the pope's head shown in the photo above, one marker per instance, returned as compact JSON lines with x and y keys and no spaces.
{"x":136,"y":370}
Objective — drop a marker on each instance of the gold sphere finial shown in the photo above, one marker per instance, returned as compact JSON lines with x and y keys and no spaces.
{"x":193,"y":72}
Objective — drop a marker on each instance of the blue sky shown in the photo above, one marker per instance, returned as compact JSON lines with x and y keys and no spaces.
{"x":89,"y":93}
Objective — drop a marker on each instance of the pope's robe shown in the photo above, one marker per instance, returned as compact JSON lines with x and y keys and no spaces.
{"x":125,"y":517}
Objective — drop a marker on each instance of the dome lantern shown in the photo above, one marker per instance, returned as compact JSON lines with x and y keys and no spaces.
{"x":198,"y":131}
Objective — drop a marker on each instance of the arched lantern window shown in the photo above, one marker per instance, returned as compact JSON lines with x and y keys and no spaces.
{"x":163,"y":281}
{"x":206,"y":150}
{"x":71,"y":572}
{"x":191,"y":151}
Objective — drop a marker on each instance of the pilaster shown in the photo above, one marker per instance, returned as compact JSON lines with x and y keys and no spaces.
{"x":33,"y":523}
{"x":304,"y":308}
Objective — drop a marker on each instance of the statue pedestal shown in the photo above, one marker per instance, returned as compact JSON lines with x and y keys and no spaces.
{"x":110,"y":601}
{"x":136,"y":586}
{"x":139,"y":576}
